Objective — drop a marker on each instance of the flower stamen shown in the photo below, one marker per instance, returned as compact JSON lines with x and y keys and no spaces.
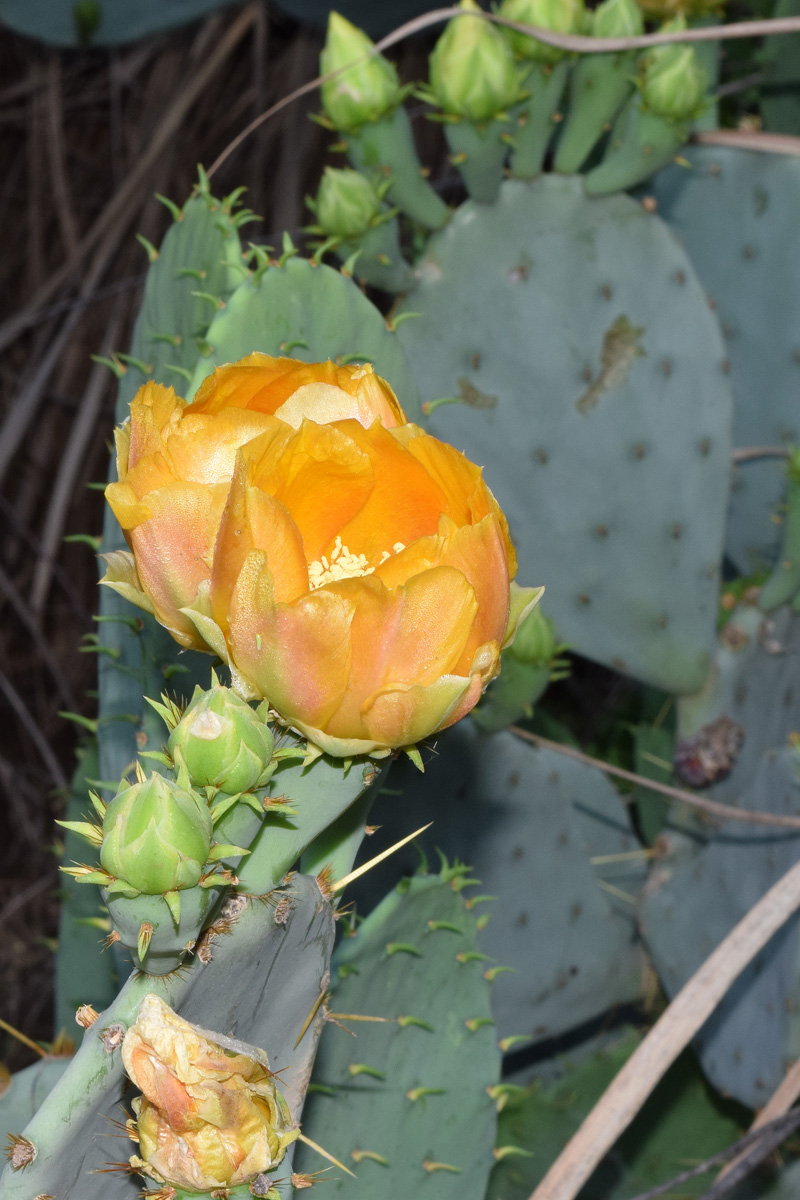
{"x":344,"y":564}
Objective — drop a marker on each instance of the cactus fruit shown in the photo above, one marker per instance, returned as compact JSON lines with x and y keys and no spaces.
{"x":730,"y":211}
{"x":474,"y":80}
{"x":404,"y":1104}
{"x":547,"y":69}
{"x":599,"y":85}
{"x":532,"y":822}
{"x":712,"y":875}
{"x":257,"y":985}
{"x":631,"y":565}
{"x":365,"y":106}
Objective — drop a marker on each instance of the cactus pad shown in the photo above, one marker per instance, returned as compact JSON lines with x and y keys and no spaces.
{"x":404,"y":1104}
{"x":713,"y":874}
{"x":732,"y":211}
{"x":591,"y":371}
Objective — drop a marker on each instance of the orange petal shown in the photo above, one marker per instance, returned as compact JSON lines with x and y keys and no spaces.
{"x":401,"y":716}
{"x":322,"y":478}
{"x":266,"y":384}
{"x":173,"y":550}
{"x":203,"y":449}
{"x":154,"y":410}
{"x":254,"y":520}
{"x":412,"y":635}
{"x":297,"y":655}
{"x":479,"y":552}
{"x":405,"y":502}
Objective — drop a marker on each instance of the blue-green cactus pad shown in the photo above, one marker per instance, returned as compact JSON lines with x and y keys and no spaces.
{"x":530,"y":821}
{"x":736,"y":213}
{"x":592,"y":370}
{"x":712,"y":875}
{"x":404,"y":962}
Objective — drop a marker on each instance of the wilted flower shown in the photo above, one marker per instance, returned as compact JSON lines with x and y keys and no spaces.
{"x":368,"y":90}
{"x":472,"y":71}
{"x":210,"y":1115}
{"x":222,"y":742}
{"x":352,"y":569}
{"x":156,"y":836}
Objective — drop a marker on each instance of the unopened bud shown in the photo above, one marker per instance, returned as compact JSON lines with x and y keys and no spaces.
{"x":618,"y":18}
{"x":365,"y":92}
{"x":535,"y":642}
{"x":346,"y":203}
{"x":156,"y":836}
{"x":674,"y":83}
{"x":222,"y":742}
{"x":562,"y":16}
{"x":472,"y":70}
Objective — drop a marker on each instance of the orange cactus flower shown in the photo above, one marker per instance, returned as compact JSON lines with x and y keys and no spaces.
{"x":210,"y":1115}
{"x":350,"y":568}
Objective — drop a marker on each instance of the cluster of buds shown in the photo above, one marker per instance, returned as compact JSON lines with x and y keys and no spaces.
{"x":156,"y":837}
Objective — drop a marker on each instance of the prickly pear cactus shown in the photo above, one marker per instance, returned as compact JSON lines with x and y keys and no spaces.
{"x":712,"y":874}
{"x":550,"y":839}
{"x":591,"y":376}
{"x":260,"y":975}
{"x":731,"y":211}
{"x":404,"y":1104}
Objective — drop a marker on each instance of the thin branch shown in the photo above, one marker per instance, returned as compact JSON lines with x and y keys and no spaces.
{"x":746,"y":453}
{"x":785,"y":1095}
{"x":34,"y":732}
{"x":752,"y":1149}
{"x":723,"y":812}
{"x":564,"y":41}
{"x":115,"y":216}
{"x":749,"y":139}
{"x":670,"y":1035}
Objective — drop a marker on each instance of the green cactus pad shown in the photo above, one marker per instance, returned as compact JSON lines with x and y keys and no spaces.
{"x":712,"y":874}
{"x":259,"y":986}
{"x":27,"y":1091}
{"x":200,"y":253}
{"x":591,"y":371}
{"x":310,"y":312}
{"x":404,"y":1104}
{"x":731,"y":211}
{"x":530,"y":821}
{"x":84,"y":975}
{"x":683,"y":1123}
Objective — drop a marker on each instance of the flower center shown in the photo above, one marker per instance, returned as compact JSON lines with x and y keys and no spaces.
{"x":344,"y":564}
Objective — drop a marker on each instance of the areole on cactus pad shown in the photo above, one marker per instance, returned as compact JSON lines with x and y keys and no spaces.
{"x":350,"y":568}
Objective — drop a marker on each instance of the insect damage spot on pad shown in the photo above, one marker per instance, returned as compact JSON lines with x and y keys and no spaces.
{"x":622,"y":344}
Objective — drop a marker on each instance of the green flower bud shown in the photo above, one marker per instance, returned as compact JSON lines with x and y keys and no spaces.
{"x":618,"y":18}
{"x":472,"y":71}
{"x":562,"y":16}
{"x":674,"y":83}
{"x":346,"y":203}
{"x":156,"y":836}
{"x":222,"y":742}
{"x":535,"y":642}
{"x":366,"y":92}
